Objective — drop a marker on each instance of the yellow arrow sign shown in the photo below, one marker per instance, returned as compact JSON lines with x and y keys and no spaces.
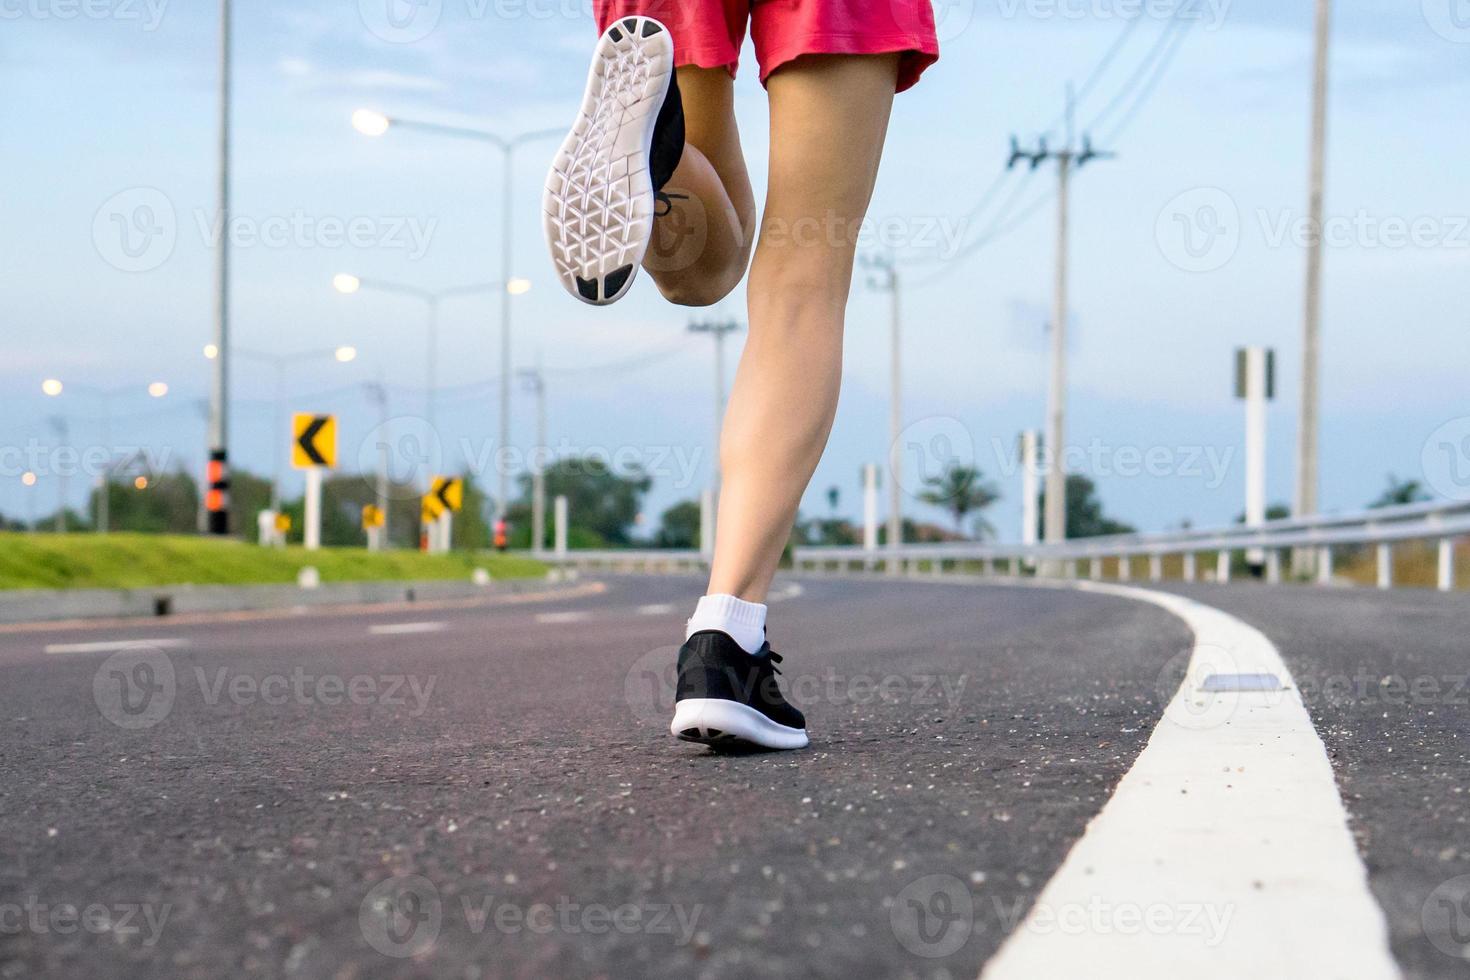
{"x":313,"y":441}
{"x":432,"y":508}
{"x":283,"y":523}
{"x":372,"y":517}
{"x":450,"y":492}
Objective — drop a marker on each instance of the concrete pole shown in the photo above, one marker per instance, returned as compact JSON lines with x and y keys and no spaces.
{"x":870,"y":508}
{"x":502,"y":496}
{"x":380,"y":395}
{"x":1254,"y":365}
{"x":707,"y":522}
{"x":63,"y":434}
{"x":895,"y":419}
{"x":1056,"y":394}
{"x":1307,"y":425}
{"x":219,"y":427}
{"x":313,"y":516}
{"x":1030,"y":440}
{"x":560,"y":506}
{"x":104,"y":504}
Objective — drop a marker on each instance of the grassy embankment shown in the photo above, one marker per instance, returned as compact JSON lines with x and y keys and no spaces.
{"x":88,"y":561}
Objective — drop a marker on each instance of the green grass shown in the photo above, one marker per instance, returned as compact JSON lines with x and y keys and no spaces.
{"x":86,"y":561}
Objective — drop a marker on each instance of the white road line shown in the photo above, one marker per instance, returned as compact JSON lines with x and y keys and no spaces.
{"x":562,"y":617}
{"x":788,"y":591}
{"x":400,"y":629}
{"x":656,"y":609}
{"x":112,"y":646}
{"x":1228,"y":830}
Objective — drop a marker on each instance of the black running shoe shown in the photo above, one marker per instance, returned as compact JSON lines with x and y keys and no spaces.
{"x":603,"y":186}
{"x":726,"y":697}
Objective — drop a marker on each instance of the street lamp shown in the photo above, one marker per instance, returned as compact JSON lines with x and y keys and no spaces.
{"x":370,"y":122}
{"x":54,"y":388}
{"x":348,"y":284}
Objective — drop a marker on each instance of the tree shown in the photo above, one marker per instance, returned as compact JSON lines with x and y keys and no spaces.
{"x":599,"y":501}
{"x":163,"y":503}
{"x":1085,"y":517}
{"x":834,"y":497}
{"x":679,"y":526}
{"x":1400,"y":492}
{"x":961,"y":490}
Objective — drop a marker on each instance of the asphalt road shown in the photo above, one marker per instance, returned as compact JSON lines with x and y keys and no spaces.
{"x":491,"y":791}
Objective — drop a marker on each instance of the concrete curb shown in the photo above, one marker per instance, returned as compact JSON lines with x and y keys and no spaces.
{"x":45,"y":605}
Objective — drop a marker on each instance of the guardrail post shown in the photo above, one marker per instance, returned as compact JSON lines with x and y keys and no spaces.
{"x":1155,"y":568}
{"x":1125,"y":568}
{"x":1015,"y":568}
{"x":1069,"y":568}
{"x":1446,"y":565}
{"x":1222,"y":566}
{"x":1094,"y":569}
{"x":1273,"y":566}
{"x":1190,"y":572}
{"x":1324,"y":565}
{"x":1385,"y":565}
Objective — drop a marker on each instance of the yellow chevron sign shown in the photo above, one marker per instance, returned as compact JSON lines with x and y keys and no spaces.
{"x":313,"y":441}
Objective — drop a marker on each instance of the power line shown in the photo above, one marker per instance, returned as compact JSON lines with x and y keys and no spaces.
{"x":1160,"y":70}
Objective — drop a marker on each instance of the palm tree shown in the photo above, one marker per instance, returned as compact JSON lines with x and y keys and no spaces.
{"x":961,"y":490}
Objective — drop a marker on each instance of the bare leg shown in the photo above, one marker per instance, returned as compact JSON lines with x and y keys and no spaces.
{"x":829,"y":117}
{"x":701,"y":247}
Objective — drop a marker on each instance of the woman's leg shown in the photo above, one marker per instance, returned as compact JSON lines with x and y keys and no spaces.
{"x":702,"y":245}
{"x":829,"y":117}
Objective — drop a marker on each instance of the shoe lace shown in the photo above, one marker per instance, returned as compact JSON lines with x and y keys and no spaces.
{"x":770,"y":660}
{"x":667,"y":200}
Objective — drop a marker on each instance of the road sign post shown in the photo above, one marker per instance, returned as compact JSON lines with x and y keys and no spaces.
{"x":313,"y":449}
{"x":1255,"y":383}
{"x":870,"y":507}
{"x":374,"y":522}
{"x":445,"y":498}
{"x":560,"y":509}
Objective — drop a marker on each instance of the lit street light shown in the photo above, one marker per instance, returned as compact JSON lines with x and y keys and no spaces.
{"x":54,"y":388}
{"x":370,"y":122}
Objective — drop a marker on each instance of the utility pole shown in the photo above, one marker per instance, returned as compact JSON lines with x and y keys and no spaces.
{"x":710,"y":500}
{"x":884,"y":278}
{"x":63,"y":435}
{"x":378,"y":393}
{"x":217,"y":499}
{"x":535,"y":382}
{"x":1068,"y":157}
{"x":1306,"y":445}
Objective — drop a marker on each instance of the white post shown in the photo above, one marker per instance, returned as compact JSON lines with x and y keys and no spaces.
{"x":1029,"y":476}
{"x":313,"y":529}
{"x":1155,"y":568}
{"x":1094,"y":569}
{"x":1125,"y":568}
{"x":1385,"y":565}
{"x":560,"y":512}
{"x":1190,"y":572}
{"x":707,"y":522}
{"x":446,"y":532}
{"x":1222,"y":566}
{"x":1273,"y":567}
{"x":870,"y":507}
{"x":375,"y":539}
{"x":1324,"y":565}
{"x":1446,"y":565}
{"x":1255,"y":370}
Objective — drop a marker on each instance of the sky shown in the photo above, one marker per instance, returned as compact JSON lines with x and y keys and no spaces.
{"x":1185,"y":245}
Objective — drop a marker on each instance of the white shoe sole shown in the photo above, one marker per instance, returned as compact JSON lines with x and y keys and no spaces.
{"x":598,"y":206}
{"x":721,"y":723}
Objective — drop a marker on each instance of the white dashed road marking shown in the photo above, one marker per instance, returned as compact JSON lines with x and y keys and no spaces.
{"x":112,"y":646}
{"x":656,"y":609}
{"x":1223,"y":853}
{"x":562,"y":617}
{"x":400,"y":629}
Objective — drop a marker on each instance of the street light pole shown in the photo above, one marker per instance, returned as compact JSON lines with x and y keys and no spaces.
{"x":378,"y":392}
{"x":536,"y":383}
{"x":63,"y":435}
{"x":371,"y":123}
{"x":218,"y":497}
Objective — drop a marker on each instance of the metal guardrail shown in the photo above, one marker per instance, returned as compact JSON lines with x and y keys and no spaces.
{"x":1439,"y":521}
{"x":649,"y":559}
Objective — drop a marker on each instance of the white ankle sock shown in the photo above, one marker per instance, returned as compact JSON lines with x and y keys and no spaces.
{"x":744,"y":622}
